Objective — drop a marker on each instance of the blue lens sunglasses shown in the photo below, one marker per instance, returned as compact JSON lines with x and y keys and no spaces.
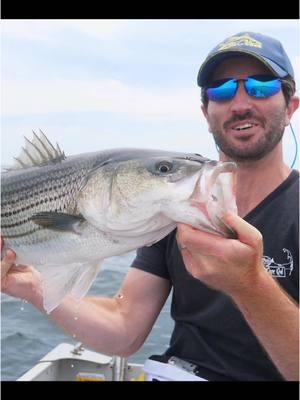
{"x":260,"y":86}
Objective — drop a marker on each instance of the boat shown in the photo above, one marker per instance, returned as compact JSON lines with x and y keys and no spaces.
{"x":67,"y":362}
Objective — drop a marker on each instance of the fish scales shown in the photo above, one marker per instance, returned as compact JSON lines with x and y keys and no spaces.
{"x":31,"y":191}
{"x":51,"y":187}
{"x":65,"y":215}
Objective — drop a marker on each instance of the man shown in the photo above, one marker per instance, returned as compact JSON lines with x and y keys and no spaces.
{"x":234,"y":301}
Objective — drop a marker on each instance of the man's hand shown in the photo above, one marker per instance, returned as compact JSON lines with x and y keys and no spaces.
{"x":224,"y":264}
{"x":20,"y":281}
{"x":8,"y":258}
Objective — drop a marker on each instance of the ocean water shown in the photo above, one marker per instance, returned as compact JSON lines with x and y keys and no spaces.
{"x":27,"y":334}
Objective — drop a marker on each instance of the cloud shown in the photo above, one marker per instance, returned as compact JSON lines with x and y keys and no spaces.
{"x":101,"y":29}
{"x":51,"y":30}
{"x":23,"y":97}
{"x":262,"y":24}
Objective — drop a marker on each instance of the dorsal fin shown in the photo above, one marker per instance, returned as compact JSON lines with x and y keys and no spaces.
{"x":37,"y":152}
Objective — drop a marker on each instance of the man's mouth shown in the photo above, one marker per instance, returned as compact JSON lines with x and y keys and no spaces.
{"x":244,"y":127}
{"x":241,"y":125}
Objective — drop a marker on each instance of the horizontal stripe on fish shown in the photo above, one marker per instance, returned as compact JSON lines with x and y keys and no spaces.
{"x":32,"y":205}
{"x":19,"y":235}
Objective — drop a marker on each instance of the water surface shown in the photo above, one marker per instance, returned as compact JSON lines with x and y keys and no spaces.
{"x":27,"y":334}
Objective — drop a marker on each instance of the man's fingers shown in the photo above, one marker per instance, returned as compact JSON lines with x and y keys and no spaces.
{"x":207,"y":243}
{"x":246,"y":233}
{"x":7,"y":262}
{"x":196,"y":240}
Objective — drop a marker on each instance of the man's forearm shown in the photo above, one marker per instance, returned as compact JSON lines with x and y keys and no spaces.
{"x":274,"y":318}
{"x":95,"y":321}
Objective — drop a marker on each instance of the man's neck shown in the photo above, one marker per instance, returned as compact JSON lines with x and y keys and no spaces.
{"x":255,"y":180}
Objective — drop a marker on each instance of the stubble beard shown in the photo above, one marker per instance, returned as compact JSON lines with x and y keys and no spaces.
{"x":257,"y":150}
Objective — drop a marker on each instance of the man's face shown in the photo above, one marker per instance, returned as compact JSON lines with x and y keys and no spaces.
{"x":246,"y":128}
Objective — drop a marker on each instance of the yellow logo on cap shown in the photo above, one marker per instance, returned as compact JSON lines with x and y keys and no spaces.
{"x":244,"y":40}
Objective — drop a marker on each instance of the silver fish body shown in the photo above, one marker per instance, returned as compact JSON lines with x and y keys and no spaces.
{"x":65,"y":215}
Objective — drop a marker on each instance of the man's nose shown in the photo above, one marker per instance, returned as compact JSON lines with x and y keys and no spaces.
{"x":241,"y":102}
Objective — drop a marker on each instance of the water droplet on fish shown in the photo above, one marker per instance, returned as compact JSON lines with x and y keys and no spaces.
{"x":76,"y":318}
{"x":72,"y":365}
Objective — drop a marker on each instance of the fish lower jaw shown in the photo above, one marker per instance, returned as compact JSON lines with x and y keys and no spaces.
{"x":210,"y":219}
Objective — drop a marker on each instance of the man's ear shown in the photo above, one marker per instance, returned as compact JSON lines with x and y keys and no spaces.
{"x":291,"y":108}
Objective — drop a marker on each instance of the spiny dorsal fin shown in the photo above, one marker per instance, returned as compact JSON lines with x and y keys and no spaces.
{"x":37,"y":152}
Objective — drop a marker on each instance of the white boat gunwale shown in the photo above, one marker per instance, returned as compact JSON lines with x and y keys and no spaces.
{"x":67,"y":362}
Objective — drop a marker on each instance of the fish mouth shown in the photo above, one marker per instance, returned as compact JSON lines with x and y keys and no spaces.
{"x":214,"y":195}
{"x":206,"y":182}
{"x":219,"y":168}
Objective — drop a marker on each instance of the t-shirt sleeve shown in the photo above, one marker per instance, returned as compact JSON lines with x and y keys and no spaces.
{"x":152,"y":259}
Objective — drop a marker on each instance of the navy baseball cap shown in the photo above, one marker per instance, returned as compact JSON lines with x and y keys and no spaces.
{"x":264,"y":48}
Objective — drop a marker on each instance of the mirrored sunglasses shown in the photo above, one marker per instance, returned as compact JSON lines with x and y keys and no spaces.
{"x":260,"y":86}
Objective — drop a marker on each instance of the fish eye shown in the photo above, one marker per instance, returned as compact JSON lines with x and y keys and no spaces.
{"x":164,"y":167}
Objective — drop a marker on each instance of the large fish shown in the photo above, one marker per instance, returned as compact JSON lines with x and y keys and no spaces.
{"x":64,"y":215}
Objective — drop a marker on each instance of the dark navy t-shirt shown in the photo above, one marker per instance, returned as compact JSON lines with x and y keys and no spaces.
{"x":209,"y":330}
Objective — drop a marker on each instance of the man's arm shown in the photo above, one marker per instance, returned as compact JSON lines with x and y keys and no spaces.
{"x":274,"y":318}
{"x":116,"y":326}
{"x":235,"y":267}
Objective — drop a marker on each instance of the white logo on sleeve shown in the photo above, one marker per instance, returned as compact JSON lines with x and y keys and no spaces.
{"x":279,"y":270}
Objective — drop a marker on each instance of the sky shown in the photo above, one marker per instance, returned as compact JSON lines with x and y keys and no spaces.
{"x":98,"y":84}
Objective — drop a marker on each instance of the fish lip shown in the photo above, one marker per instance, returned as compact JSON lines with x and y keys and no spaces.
{"x":218,"y":168}
{"x":203,"y":196}
{"x":224,"y":166}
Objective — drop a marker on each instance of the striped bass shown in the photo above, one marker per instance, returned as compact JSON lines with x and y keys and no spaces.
{"x":63,"y":215}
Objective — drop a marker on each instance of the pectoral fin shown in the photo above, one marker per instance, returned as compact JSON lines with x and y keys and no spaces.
{"x":60,"y":280}
{"x":58,"y":221}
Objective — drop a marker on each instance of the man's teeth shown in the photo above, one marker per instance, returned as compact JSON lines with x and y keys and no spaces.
{"x":245,"y":126}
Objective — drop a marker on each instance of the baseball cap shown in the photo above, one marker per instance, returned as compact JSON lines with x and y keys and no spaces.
{"x":264,"y":48}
